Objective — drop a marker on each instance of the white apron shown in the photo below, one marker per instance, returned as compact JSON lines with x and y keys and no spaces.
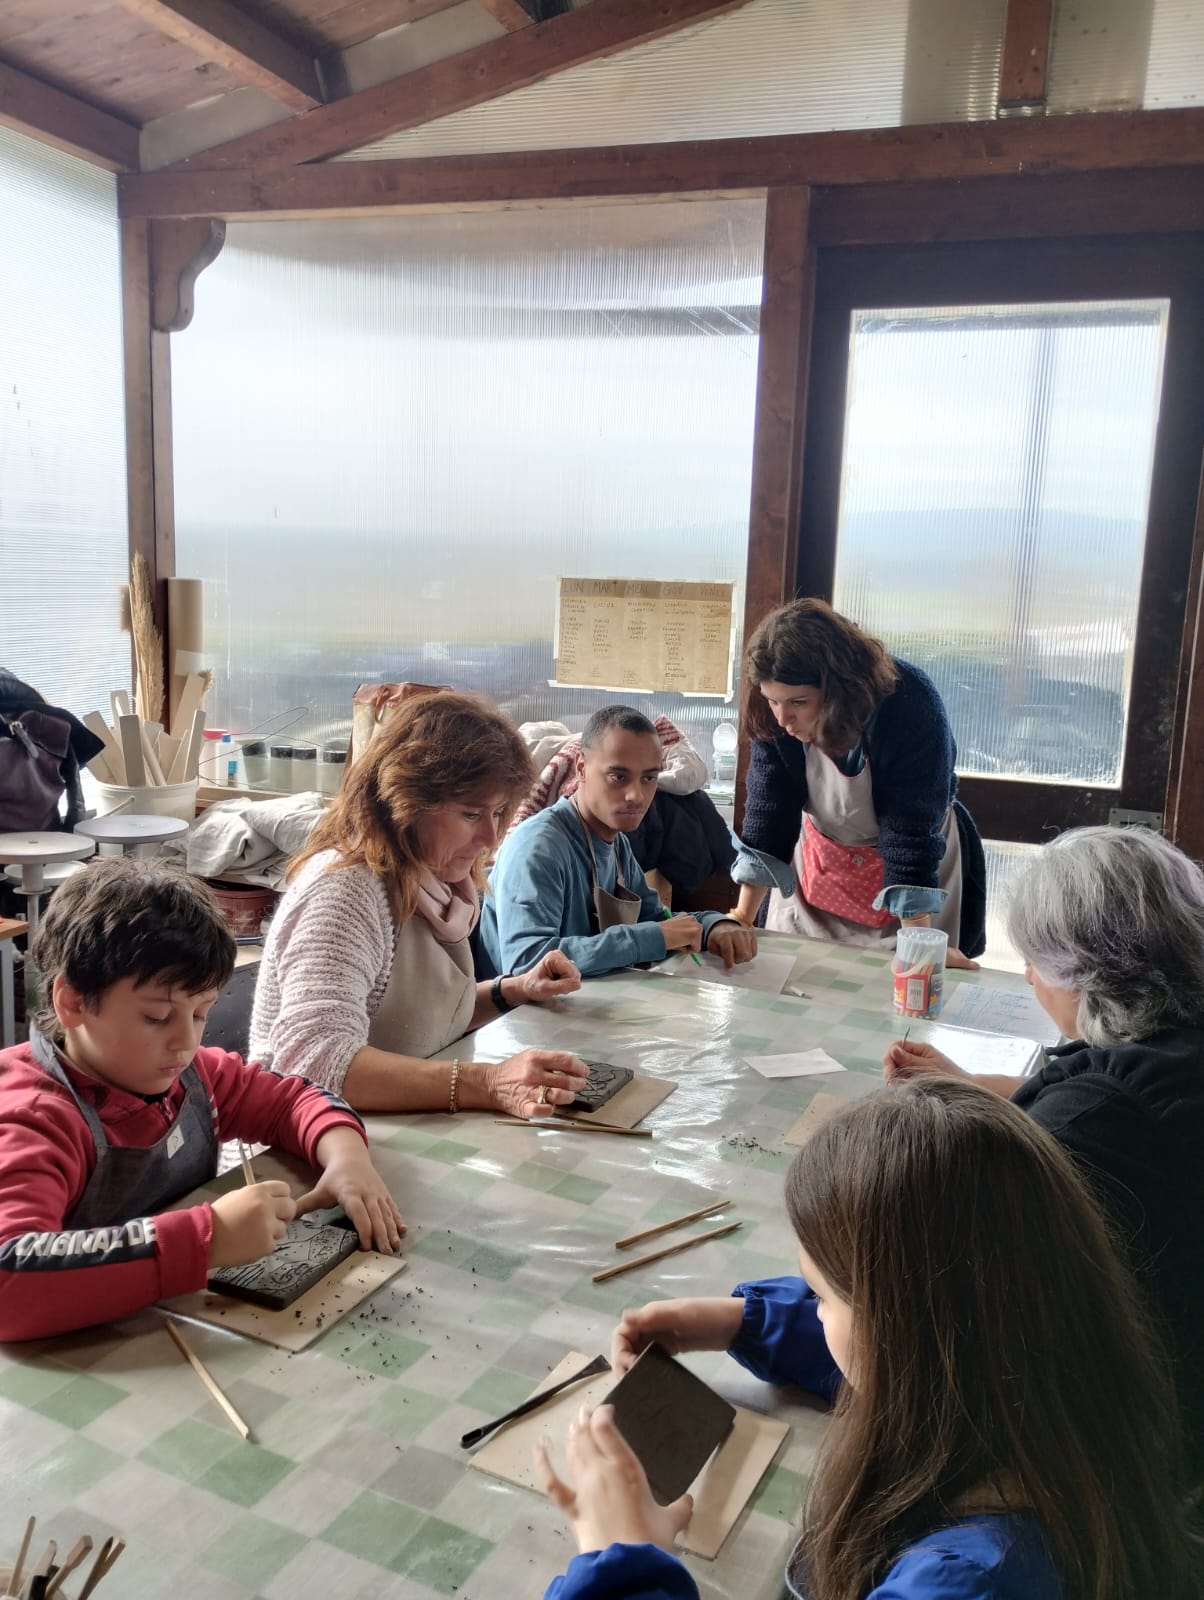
{"x":843,"y":808}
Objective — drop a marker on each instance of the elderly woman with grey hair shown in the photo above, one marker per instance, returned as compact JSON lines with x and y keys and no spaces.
{"x":1110,"y":923}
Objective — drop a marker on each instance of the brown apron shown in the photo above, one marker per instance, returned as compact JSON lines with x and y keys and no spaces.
{"x":842,"y":807}
{"x":430,"y":996}
{"x":618,"y":910}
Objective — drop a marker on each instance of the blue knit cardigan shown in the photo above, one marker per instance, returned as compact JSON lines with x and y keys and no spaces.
{"x":910,"y":749}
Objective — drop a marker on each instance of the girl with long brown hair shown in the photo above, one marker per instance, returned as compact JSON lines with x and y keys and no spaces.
{"x":1003,"y":1425}
{"x":851,"y":806}
{"x":367,"y":970}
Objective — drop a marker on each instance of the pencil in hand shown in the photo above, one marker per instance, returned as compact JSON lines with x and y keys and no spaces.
{"x":667,"y":916}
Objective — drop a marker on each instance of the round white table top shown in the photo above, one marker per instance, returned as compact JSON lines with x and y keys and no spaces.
{"x":37,"y":849}
{"x":132,"y":828}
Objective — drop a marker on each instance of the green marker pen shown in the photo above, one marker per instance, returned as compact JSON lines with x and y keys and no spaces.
{"x":667,"y":916}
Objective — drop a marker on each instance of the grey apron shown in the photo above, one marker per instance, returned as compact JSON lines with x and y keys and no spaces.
{"x":430,"y":996}
{"x":618,"y":910}
{"x":130,"y":1181}
{"x":843,"y":808}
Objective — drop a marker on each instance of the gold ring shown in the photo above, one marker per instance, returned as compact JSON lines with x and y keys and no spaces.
{"x":543,"y":1095}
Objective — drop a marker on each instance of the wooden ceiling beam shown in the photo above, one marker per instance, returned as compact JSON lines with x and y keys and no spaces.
{"x":223,"y":33}
{"x":512,"y":14}
{"x":468,"y":79}
{"x":1105,"y":141}
{"x":34,"y":107}
{"x":1025,"y":58}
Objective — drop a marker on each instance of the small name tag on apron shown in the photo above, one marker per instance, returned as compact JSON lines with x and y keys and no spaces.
{"x":175,"y":1140}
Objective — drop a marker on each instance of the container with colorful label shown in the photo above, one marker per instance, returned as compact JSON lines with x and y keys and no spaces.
{"x":918,"y":969}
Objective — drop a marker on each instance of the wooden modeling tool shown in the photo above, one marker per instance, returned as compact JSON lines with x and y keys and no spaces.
{"x":248,"y":1171}
{"x":666,"y":1227}
{"x":13,"y":1587}
{"x":659,"y":1255}
{"x":129,"y":731}
{"x":105,"y":1561}
{"x":207,"y":1378}
{"x":79,"y":1552}
{"x":35,"y":1589}
{"x":184,"y":768}
{"x":475,"y":1435}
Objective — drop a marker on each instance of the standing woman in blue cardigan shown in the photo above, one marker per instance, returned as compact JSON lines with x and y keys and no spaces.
{"x":851,"y":790}
{"x":1004,"y":1426}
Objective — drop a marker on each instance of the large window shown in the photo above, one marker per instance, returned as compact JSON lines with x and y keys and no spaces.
{"x":393,"y":435}
{"x":63,"y":527}
{"x":994,"y":493}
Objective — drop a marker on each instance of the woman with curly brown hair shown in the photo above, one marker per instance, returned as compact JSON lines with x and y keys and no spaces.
{"x":851,"y":782}
{"x":367,"y":970}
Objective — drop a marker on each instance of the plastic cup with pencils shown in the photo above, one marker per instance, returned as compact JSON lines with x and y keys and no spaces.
{"x":667,"y":916}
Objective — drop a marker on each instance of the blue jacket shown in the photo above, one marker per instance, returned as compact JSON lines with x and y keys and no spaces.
{"x":540,"y":898}
{"x":781,"y":1341}
{"x":909,"y":746}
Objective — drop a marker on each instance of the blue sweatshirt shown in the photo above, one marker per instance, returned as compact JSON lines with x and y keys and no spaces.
{"x":540,"y":898}
{"x":994,"y":1557}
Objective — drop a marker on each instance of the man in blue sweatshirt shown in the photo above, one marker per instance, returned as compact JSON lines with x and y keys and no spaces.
{"x":566,"y":878}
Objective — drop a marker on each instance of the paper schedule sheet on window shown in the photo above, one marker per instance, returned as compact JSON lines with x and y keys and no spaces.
{"x":631,"y":633}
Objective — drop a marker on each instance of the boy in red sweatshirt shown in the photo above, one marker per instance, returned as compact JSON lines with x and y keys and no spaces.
{"x":112,"y":1112}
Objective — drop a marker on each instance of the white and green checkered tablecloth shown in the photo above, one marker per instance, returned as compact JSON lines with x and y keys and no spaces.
{"x":357,"y":1488}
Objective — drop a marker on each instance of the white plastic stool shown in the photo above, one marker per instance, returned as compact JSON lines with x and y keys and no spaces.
{"x":33,"y":853}
{"x":129,"y":830}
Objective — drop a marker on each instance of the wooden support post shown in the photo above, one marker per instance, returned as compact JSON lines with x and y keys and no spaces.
{"x":1025,"y":59}
{"x":1184,"y":824}
{"x":787,"y":298}
{"x":147,"y":419}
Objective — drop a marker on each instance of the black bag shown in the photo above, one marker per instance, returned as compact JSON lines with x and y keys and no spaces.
{"x":41,"y":750}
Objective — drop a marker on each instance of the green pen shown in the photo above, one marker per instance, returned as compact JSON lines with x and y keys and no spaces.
{"x":667,"y":916}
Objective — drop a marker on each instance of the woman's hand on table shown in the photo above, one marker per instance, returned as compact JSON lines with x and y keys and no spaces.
{"x":909,"y":1058}
{"x":677,"y":1326}
{"x":732,"y":943}
{"x":534,"y":1082}
{"x":350,"y":1180}
{"x":609,"y":1501}
{"x":551,"y":975}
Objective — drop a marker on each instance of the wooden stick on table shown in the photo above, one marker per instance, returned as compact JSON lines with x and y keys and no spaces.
{"x":248,"y":1171}
{"x":578,"y":1124}
{"x":207,"y":1378}
{"x":665,"y":1227}
{"x":668,"y":1250}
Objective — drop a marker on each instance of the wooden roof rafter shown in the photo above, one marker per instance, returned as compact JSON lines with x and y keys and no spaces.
{"x":224,"y":33}
{"x":512,"y":14}
{"x":519,"y":59}
{"x":37,"y":108}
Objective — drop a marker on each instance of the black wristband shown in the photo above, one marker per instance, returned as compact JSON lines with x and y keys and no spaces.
{"x":500,"y":1003}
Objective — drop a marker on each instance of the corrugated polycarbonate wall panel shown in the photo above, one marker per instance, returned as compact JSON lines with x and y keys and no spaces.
{"x":393,"y":435}
{"x":774,"y":66}
{"x":63,"y":522}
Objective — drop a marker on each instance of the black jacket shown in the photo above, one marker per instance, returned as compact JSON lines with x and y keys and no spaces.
{"x":1132,"y":1116}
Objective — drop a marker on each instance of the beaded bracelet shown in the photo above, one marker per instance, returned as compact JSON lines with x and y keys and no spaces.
{"x":455,"y":1079}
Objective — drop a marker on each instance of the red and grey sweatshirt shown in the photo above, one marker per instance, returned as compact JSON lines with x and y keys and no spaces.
{"x":54,"y":1279}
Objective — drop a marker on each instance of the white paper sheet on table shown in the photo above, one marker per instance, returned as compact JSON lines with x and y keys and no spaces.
{"x":967,"y":1005}
{"x":766,"y":972}
{"x":797,"y":1064}
{"x":977,"y":1052}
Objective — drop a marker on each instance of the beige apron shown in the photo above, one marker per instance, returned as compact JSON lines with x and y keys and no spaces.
{"x":843,"y":808}
{"x":430,"y":996}
{"x":618,"y":910}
